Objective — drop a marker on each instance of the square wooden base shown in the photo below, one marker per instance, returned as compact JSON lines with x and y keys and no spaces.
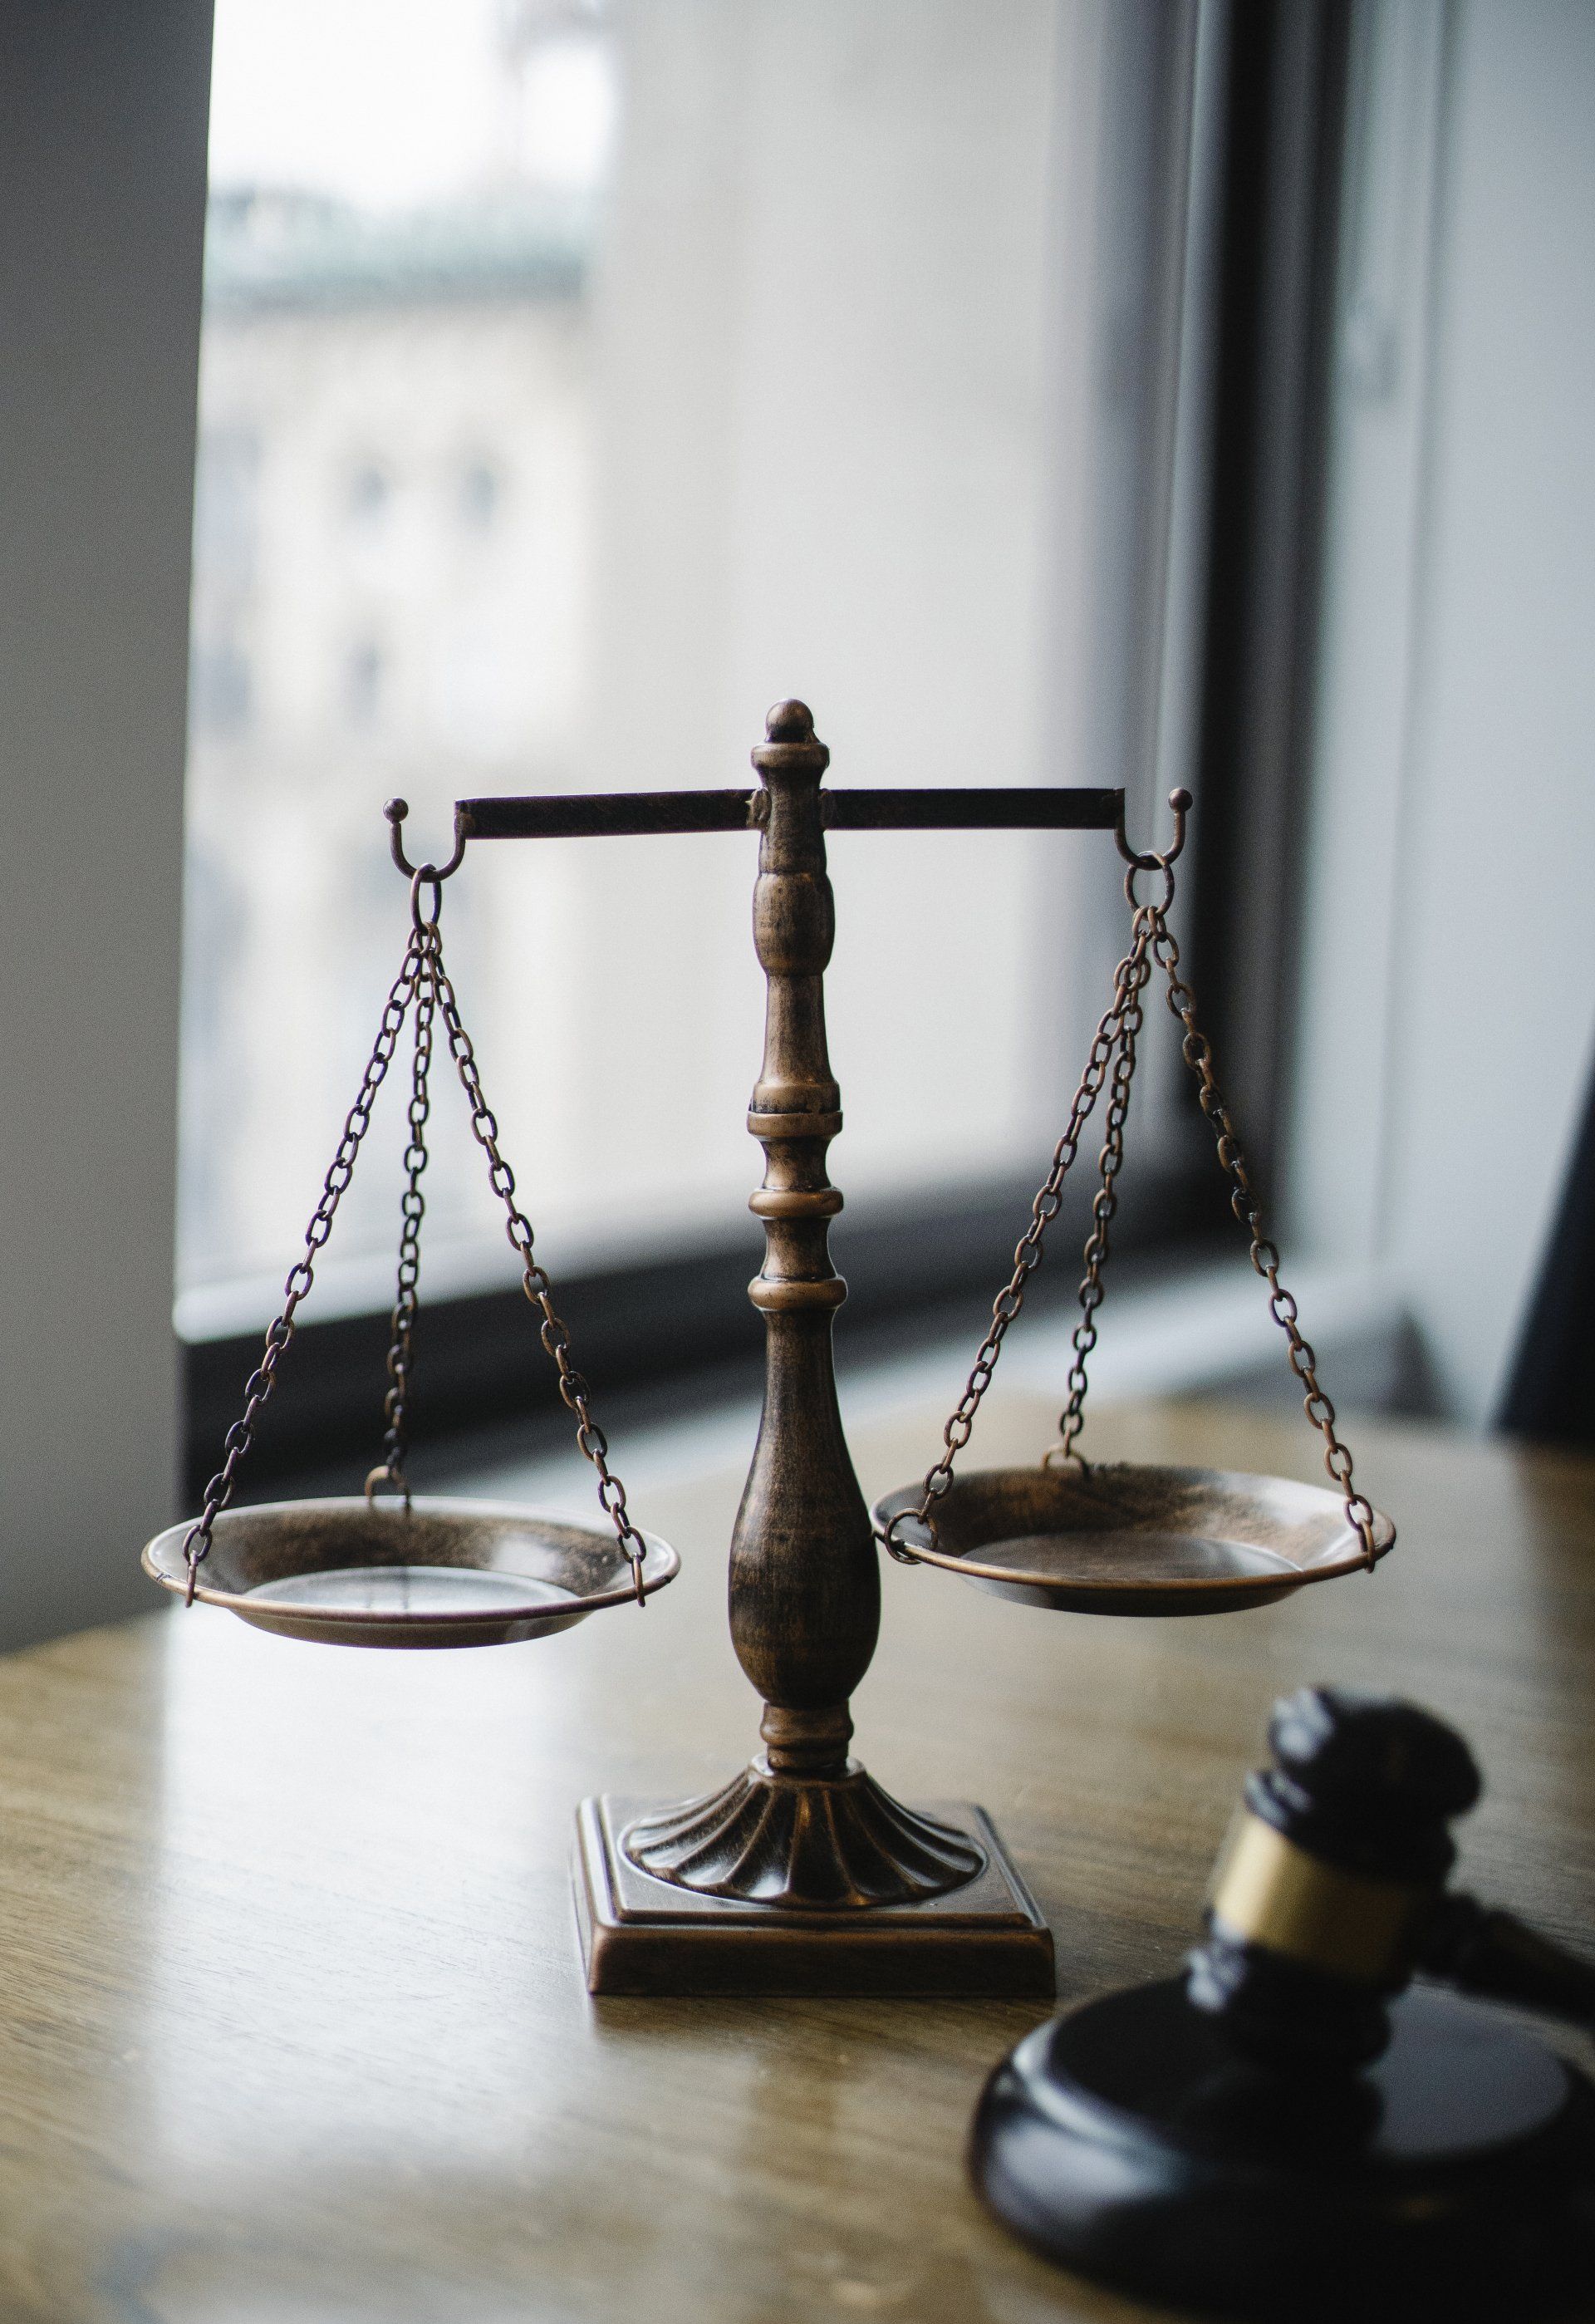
{"x":641,"y":1935}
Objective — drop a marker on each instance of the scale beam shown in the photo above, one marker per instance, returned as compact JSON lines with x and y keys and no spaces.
{"x":615,"y":815}
{"x":606,"y":814}
{"x":972,"y":810}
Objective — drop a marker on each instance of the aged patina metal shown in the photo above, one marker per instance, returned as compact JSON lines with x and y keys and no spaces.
{"x":802,"y":1835}
{"x":766,"y":1883}
{"x":428,"y":1572}
{"x":1127,"y":1538}
{"x":801,"y":1873}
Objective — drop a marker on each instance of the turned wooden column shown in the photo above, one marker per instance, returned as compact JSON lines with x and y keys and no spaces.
{"x":805,"y":1582}
{"x":804,"y":1826}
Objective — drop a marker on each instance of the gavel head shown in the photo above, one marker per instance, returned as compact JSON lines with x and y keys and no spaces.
{"x":1330,"y":1875}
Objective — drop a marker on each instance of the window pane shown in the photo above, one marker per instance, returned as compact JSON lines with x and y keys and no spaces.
{"x":575,"y":384}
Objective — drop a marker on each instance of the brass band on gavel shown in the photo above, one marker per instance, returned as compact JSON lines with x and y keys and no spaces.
{"x":1269,"y":1891}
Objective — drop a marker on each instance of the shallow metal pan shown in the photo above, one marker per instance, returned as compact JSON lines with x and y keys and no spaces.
{"x":1126,"y":1539}
{"x":443,"y":1573}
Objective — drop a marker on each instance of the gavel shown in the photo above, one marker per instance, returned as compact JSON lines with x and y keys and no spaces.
{"x":1329,"y":1894}
{"x":1289,"y":2130}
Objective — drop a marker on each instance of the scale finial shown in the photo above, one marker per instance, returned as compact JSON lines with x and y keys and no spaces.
{"x":789,"y":721}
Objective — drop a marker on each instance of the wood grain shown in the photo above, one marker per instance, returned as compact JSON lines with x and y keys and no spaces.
{"x":292,"y":2018}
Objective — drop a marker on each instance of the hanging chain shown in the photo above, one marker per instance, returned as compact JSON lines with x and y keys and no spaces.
{"x":1243,"y":1200}
{"x":534,"y":1281}
{"x":1105,"y":1202}
{"x":300,"y":1277}
{"x":422,"y":979}
{"x":1129,"y":978}
{"x":1115,"y":1042}
{"x":392,"y":1469}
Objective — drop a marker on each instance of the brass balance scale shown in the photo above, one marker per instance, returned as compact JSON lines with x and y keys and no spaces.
{"x":801,"y":1874}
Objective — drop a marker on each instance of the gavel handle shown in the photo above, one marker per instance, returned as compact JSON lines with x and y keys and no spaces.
{"x":1495,"y":1954}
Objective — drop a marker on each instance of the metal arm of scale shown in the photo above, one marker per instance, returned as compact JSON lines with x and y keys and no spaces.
{"x":628,"y":814}
{"x":803,"y":1841}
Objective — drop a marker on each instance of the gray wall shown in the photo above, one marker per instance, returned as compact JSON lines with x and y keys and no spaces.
{"x":1450,"y":982}
{"x":102,"y":191}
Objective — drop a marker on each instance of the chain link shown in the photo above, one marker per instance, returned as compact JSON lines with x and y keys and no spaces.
{"x":1129,"y":978}
{"x":1106,"y":1199}
{"x":1264,"y":1257}
{"x":218,"y":1493}
{"x":412,"y":1209}
{"x":534,"y":1281}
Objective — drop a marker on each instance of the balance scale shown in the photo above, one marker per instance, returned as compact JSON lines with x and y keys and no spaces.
{"x":801,"y":1874}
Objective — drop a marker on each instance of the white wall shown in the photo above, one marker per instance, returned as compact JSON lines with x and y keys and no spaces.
{"x":1450,"y":986}
{"x":102,"y":187}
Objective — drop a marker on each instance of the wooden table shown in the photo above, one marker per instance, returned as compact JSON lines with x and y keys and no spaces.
{"x":291,"y":2021}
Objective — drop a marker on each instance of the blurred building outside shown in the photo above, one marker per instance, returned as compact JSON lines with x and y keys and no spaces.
{"x":553,"y":480}
{"x":392,"y":532}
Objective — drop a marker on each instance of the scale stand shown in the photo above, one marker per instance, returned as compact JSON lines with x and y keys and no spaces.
{"x":800,"y":1875}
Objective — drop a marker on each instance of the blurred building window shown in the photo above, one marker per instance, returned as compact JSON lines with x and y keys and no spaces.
{"x":369,"y":492}
{"x":672,"y":360}
{"x":363,"y":684}
{"x":227,"y":549}
{"x":226,"y":506}
{"x":479,"y":494}
{"x":218,"y":687}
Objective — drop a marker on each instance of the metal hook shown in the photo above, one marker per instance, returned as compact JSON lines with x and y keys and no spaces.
{"x":887,"y":1536}
{"x":395,"y":1480}
{"x":396,"y":811}
{"x":1181,"y":802}
{"x":426,"y":877}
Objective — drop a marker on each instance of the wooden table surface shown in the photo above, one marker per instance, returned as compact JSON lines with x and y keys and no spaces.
{"x":293,"y":2028}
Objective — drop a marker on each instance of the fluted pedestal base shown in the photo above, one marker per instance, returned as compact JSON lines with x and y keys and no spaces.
{"x":851,"y":1893}
{"x":804,"y":1844}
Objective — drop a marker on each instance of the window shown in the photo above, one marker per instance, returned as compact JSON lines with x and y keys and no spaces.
{"x":226,"y":508}
{"x":363,"y":684}
{"x":368,"y":499}
{"x":226,"y":545}
{"x":479,"y":493}
{"x":219,"y":687}
{"x":672,"y":362}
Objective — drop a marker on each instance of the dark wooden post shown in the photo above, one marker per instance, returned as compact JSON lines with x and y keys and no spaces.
{"x":805,"y":1584}
{"x":804,"y":1825}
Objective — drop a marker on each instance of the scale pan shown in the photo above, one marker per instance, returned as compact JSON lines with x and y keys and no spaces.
{"x":1124,"y":1539}
{"x":445,"y":1574}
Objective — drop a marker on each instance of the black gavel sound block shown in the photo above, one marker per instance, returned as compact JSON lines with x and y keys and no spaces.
{"x":1288,"y":2131}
